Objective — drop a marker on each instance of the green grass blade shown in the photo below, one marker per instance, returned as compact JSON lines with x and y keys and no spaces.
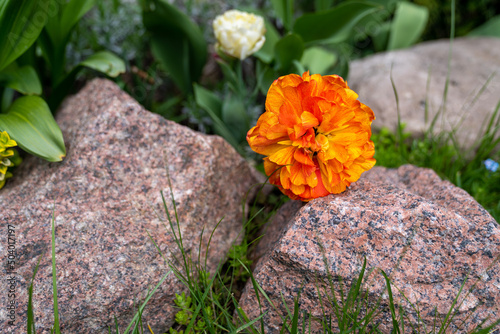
{"x":148,"y":297}
{"x":295,"y":318}
{"x":248,"y":324}
{"x":31,"y":328}
{"x":446,"y":323}
{"x":57,"y":329}
{"x":391,"y":304}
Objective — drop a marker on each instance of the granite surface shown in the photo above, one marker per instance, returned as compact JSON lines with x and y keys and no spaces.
{"x":420,"y":73}
{"x":106,"y":197}
{"x":425,"y":233}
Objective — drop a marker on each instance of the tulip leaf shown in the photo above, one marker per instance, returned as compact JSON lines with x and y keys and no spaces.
{"x":176,"y":42}
{"x":22,"y":79}
{"x":334,"y":24}
{"x":284,"y":11}
{"x":65,"y":17}
{"x":381,"y":38}
{"x":265,"y":77}
{"x":57,"y":32}
{"x":408,"y":24}
{"x":31,"y":124}
{"x":288,"y":49}
{"x":208,"y":100}
{"x":213,"y":106}
{"x":318,"y":60}
{"x":321,"y":5}
{"x":73,"y":12}
{"x":105,"y":62}
{"x":20,"y":25}
{"x":235,"y":117}
{"x":490,"y":28}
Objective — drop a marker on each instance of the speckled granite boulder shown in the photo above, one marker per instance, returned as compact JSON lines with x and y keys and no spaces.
{"x":107,"y":197}
{"x":474,"y":61}
{"x":435,"y":231}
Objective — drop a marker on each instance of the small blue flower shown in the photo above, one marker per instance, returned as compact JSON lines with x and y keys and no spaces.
{"x":491,"y":165}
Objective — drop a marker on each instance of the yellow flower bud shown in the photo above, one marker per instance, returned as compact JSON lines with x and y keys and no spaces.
{"x":239,"y":34}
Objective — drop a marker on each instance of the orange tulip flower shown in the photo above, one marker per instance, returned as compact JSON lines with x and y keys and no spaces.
{"x":315,"y":135}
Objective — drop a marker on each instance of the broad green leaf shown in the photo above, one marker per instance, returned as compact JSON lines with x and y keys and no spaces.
{"x":176,"y":42}
{"x":20,"y":24}
{"x":105,"y":62}
{"x":490,"y":28}
{"x":175,"y":62}
{"x":284,"y":11}
{"x":31,"y":124}
{"x":73,"y":12}
{"x":54,"y":38}
{"x":213,"y":106}
{"x":381,"y":38}
{"x":266,"y":53}
{"x":377,"y":25}
{"x":321,"y":5}
{"x":288,"y":49}
{"x":208,"y":100}
{"x":335,"y":23}
{"x":407,"y":26}
{"x":265,"y":76}
{"x":22,"y":79}
{"x":65,"y":15}
{"x":318,"y":60}
{"x":6,"y":98}
{"x":235,"y":117}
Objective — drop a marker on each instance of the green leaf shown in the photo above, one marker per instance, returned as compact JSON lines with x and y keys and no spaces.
{"x":335,"y":23}
{"x":213,"y":106}
{"x":235,"y":117}
{"x":105,"y":62}
{"x":318,"y":60}
{"x":381,"y":38}
{"x":31,"y":124}
{"x":288,"y":49}
{"x":266,"y":53}
{"x":284,"y":11}
{"x":321,"y":5}
{"x":408,"y":24}
{"x":490,"y":28}
{"x":6,"y":99}
{"x":22,"y":79}
{"x":73,"y":12}
{"x":54,"y":38}
{"x":265,"y":75}
{"x":20,"y":24}
{"x":176,"y":42}
{"x":208,"y":100}
{"x":65,"y":16}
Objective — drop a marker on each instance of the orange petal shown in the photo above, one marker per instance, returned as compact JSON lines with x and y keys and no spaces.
{"x":304,"y":158}
{"x":283,"y":156}
{"x":308,"y":120}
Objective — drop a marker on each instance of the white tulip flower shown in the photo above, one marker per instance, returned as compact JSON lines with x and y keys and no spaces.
{"x":239,"y":34}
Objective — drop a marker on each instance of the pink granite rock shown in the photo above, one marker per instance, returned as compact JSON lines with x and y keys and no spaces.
{"x":419,"y":74}
{"x":106,"y":197}
{"x":427,"y":234}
